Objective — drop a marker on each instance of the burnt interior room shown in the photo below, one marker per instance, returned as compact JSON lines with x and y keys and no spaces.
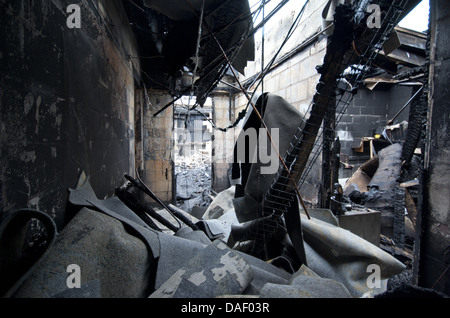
{"x":224,"y":149}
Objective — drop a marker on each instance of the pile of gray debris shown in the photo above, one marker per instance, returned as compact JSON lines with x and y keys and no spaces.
{"x":123,"y":254}
{"x":193,"y":184}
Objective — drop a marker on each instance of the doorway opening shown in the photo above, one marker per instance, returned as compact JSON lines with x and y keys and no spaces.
{"x":193,"y":135}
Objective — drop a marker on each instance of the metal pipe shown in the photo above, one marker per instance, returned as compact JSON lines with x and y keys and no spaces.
{"x":389,"y":122}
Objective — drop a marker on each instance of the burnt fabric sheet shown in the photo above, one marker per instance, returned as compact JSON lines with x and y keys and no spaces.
{"x":278,"y":114}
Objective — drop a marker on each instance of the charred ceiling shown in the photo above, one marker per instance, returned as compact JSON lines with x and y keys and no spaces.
{"x":187,"y":46}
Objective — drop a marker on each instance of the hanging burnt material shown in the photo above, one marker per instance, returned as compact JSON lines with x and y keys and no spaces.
{"x":329,"y":127}
{"x":229,"y":26}
{"x":416,"y":127}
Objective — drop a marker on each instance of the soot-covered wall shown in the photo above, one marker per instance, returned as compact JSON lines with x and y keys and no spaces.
{"x":433,"y":256}
{"x":66,"y":101}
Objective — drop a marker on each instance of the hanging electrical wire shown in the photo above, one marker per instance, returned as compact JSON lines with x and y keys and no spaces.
{"x":266,"y":69}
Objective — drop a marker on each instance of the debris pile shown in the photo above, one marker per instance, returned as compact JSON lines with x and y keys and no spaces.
{"x":193,"y":182}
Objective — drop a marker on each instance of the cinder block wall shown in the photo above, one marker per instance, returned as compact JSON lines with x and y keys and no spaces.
{"x":368,"y":111}
{"x":296,"y":78}
{"x":365,"y":113}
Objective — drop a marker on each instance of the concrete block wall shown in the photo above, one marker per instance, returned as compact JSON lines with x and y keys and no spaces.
{"x":296,"y":79}
{"x":277,"y":28}
{"x":365,"y":113}
{"x":65,"y":108}
{"x":158,"y":146}
{"x":368,"y":111}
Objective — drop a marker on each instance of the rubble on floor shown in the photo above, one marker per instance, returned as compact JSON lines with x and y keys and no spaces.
{"x":134,"y":245}
{"x":193,"y":182}
{"x":376,"y":186}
